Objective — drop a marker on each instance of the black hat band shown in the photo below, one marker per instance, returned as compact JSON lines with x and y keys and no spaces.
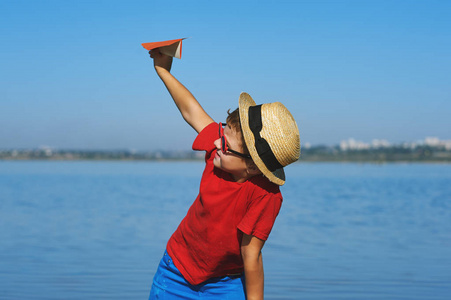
{"x":261,"y":145}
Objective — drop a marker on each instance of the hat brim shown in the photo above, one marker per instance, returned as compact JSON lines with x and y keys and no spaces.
{"x":246,"y":101}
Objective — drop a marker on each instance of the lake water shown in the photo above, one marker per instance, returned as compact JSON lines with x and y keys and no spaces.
{"x":97,"y":230}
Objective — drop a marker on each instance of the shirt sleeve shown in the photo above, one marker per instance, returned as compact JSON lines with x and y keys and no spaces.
{"x":261,"y":215}
{"x":205,"y":139}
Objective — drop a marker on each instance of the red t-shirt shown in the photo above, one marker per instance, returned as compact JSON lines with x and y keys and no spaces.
{"x":208,"y":240}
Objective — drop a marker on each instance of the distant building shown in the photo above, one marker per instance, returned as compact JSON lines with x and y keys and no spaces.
{"x":432,"y":141}
{"x":380,"y":144}
{"x":436,"y":142}
{"x":352,"y":144}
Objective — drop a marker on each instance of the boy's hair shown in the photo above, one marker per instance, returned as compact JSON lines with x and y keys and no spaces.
{"x":233,"y":120}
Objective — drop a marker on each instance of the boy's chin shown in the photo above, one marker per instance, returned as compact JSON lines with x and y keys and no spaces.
{"x":217,"y":163}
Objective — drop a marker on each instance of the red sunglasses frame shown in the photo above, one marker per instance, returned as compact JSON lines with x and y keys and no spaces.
{"x":224,"y":147}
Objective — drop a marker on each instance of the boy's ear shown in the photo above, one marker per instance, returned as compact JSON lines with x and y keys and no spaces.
{"x":252,"y":168}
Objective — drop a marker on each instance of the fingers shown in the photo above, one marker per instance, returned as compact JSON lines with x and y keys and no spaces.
{"x":154,"y":52}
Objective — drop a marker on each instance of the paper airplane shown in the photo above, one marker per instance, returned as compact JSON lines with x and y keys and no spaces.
{"x":172,"y":48}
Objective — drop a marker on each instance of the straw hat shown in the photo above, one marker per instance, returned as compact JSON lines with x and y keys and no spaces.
{"x":271,"y":136}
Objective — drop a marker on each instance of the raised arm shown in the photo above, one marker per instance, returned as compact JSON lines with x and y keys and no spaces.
{"x":253,"y":266}
{"x":191,"y":110}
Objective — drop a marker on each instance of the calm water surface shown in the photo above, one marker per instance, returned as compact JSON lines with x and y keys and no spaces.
{"x":96,"y":230}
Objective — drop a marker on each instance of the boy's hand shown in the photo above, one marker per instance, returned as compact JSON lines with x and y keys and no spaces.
{"x":160,"y":60}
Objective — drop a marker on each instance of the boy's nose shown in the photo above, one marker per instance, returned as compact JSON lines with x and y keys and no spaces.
{"x":217,"y":144}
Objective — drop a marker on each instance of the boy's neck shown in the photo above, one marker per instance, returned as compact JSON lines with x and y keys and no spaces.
{"x":241,"y":179}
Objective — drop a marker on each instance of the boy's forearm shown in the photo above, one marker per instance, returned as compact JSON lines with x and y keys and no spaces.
{"x":180,"y":94}
{"x":191,"y":110}
{"x":254,"y":277}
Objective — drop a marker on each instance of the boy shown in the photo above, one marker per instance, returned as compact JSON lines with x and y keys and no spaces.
{"x":215,"y":253}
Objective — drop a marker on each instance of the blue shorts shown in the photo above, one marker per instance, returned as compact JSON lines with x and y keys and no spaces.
{"x":168,"y":283}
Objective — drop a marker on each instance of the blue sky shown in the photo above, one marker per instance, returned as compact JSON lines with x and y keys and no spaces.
{"x":73,"y":74}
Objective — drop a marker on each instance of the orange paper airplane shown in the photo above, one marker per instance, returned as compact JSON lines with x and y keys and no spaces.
{"x":172,"y":48}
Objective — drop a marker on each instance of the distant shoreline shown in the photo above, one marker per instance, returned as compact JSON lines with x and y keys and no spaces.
{"x":200,"y":160}
{"x":313,"y":154}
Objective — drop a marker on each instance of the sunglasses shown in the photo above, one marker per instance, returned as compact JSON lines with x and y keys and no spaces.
{"x":224,"y":147}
